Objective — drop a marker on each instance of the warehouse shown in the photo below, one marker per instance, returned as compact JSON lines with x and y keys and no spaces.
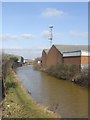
{"x":66,"y":54}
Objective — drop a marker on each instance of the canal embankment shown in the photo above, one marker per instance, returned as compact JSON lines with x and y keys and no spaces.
{"x":72,"y":73}
{"x":17,"y":103}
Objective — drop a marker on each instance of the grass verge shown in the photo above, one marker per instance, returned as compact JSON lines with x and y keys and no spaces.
{"x":19,"y":104}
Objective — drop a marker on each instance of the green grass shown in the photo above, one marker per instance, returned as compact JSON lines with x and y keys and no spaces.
{"x":19,"y":104}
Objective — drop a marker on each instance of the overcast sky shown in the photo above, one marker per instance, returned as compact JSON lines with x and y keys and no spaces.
{"x":25,"y":25}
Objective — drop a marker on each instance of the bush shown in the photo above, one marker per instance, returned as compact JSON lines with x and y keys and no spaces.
{"x":36,"y":65}
{"x":70,"y":72}
{"x":63,"y":71}
{"x":7,"y":63}
{"x":13,"y":58}
{"x":82,"y":79}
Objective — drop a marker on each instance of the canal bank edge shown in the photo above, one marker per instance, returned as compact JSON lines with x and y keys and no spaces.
{"x":18,"y":103}
{"x":67,"y":72}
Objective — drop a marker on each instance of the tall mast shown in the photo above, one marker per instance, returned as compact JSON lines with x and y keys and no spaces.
{"x":50,"y":35}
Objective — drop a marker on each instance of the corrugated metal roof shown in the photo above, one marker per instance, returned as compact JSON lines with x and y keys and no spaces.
{"x":68,"y":48}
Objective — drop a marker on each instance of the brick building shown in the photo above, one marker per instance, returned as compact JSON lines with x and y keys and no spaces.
{"x":80,"y":57}
{"x":44,"y":57}
{"x":67,"y":54}
{"x":54,"y":57}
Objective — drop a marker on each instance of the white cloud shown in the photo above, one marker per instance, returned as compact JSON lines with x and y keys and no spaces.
{"x":13,"y":47}
{"x":46,"y":34}
{"x":52,"y":12}
{"x":27,"y":36}
{"x":8,"y":37}
{"x":16,"y":37}
{"x":82,"y":35}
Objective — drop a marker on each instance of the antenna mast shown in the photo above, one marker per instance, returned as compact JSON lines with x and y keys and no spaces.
{"x":51,"y":35}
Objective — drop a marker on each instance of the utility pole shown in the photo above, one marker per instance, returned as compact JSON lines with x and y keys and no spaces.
{"x":50,"y":35}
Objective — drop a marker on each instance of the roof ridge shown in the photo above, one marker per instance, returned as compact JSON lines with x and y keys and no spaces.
{"x":69,"y":45}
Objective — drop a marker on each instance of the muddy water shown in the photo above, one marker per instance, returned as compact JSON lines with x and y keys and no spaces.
{"x":65,"y":98}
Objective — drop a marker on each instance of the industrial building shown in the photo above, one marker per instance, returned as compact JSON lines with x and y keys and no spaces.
{"x":66,"y":54}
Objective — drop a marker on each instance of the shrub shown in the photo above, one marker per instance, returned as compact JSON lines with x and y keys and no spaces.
{"x":13,"y":58}
{"x":7,"y":62}
{"x":71,"y":72}
{"x":63,"y":71}
{"x":82,"y":78}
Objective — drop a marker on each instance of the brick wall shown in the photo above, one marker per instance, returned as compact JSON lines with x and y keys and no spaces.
{"x":72,"y":60}
{"x":44,"y":58}
{"x":85,"y":59}
{"x":54,"y":57}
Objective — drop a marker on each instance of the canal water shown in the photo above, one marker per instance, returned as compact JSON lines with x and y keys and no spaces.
{"x":64,"y":97}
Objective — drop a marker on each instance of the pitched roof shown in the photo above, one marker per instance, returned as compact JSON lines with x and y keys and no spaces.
{"x":46,"y":50}
{"x":68,"y":48}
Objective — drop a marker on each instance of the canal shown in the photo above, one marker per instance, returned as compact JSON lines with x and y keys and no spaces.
{"x":67,"y":99}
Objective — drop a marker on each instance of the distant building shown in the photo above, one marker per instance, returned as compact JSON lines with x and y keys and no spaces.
{"x":66,"y":54}
{"x":44,"y":57}
{"x":38,"y":60}
{"x":20,"y":61}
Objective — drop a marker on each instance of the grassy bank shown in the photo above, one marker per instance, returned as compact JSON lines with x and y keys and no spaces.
{"x":19,"y":104}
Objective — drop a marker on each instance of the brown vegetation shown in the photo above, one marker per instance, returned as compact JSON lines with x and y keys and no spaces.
{"x":70,"y":72}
